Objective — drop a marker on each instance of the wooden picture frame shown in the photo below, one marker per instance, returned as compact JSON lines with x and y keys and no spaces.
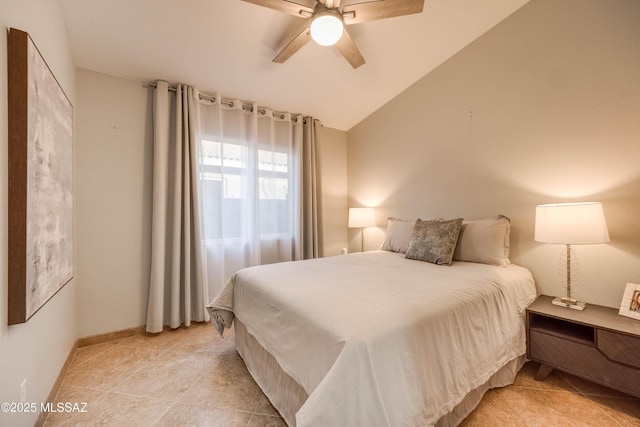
{"x":630,"y":305}
{"x":40,"y":152}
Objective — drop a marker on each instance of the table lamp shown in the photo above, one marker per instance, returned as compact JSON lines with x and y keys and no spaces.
{"x":570,"y":224}
{"x":361,"y":218}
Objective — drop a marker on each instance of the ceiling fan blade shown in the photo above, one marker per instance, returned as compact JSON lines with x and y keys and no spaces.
{"x":380,"y":9}
{"x":331,"y":4}
{"x":349,"y":50}
{"x":297,"y":36}
{"x":299,"y":8}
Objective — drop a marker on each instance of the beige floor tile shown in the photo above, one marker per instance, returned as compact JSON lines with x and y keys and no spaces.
{"x":196,"y":416}
{"x":110,"y":367}
{"x":491,"y":413}
{"x":543,"y":408}
{"x":208,"y":393}
{"x":84,"y":354}
{"x":555,"y":380}
{"x":166,"y":379}
{"x":197,"y":350}
{"x":230,"y":370}
{"x":624,"y":410}
{"x":266,"y":421}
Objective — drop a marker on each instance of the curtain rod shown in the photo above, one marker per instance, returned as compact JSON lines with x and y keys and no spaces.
{"x":245,"y":107}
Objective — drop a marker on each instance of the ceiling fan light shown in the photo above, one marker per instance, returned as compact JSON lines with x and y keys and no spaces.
{"x":326,"y":30}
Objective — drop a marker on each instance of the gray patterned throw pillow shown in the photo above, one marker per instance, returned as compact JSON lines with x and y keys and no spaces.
{"x":434,"y":240}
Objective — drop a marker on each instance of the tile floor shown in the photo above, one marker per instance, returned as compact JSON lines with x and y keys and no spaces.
{"x":191,"y":377}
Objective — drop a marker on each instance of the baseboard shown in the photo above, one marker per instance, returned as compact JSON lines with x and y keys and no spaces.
{"x":56,"y":386}
{"x":99,"y":339}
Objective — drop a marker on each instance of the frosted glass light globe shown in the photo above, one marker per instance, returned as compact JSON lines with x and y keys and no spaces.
{"x":326,"y":30}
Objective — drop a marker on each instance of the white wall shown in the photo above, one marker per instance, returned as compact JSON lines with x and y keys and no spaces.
{"x":113,"y":202}
{"x":542,"y":108}
{"x":35,"y":350}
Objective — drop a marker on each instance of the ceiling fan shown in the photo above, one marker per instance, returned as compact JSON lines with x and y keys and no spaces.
{"x":324,"y":21}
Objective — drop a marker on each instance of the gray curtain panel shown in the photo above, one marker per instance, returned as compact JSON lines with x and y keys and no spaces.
{"x":176,"y":293}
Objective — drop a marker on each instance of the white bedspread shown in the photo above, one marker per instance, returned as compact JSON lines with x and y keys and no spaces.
{"x":378,"y":340}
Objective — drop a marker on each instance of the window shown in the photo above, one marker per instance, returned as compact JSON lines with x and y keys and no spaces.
{"x":230,"y":185}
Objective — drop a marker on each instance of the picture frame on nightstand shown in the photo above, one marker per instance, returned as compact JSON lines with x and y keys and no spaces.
{"x":630,"y":305}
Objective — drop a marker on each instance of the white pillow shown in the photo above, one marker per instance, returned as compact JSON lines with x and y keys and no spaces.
{"x":398,"y":235}
{"x":484,"y":241}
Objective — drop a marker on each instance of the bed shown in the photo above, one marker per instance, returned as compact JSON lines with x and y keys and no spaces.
{"x":375,"y":338}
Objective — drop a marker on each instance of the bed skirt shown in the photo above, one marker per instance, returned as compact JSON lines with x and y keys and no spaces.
{"x":284,"y":393}
{"x":287,"y":396}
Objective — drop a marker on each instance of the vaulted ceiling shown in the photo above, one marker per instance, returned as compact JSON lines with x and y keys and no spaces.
{"x":226,"y":46}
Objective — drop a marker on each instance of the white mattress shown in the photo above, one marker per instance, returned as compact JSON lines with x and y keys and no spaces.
{"x":375,"y":339}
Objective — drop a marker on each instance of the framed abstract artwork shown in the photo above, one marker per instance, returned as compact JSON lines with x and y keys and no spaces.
{"x":40,"y":181}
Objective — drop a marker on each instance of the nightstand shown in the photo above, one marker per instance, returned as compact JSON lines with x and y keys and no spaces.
{"x":596,"y":344}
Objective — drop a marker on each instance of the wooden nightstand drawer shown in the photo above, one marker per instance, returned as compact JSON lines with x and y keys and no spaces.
{"x":583,"y":360}
{"x":620,"y":348}
{"x":562,"y":353}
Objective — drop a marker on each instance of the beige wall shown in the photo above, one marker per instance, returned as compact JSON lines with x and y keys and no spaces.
{"x":542,"y":108}
{"x":113,"y":202}
{"x":332,"y":158}
{"x":35,"y":350}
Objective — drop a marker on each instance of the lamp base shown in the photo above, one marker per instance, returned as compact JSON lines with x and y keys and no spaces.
{"x":569,"y":303}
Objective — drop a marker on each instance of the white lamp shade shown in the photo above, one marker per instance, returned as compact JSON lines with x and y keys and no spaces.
{"x":571,"y":223}
{"x":361,"y":217}
{"x":326,"y":29}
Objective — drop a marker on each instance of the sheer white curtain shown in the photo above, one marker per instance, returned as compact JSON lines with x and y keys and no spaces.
{"x":176,"y":289}
{"x":252,"y":183}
